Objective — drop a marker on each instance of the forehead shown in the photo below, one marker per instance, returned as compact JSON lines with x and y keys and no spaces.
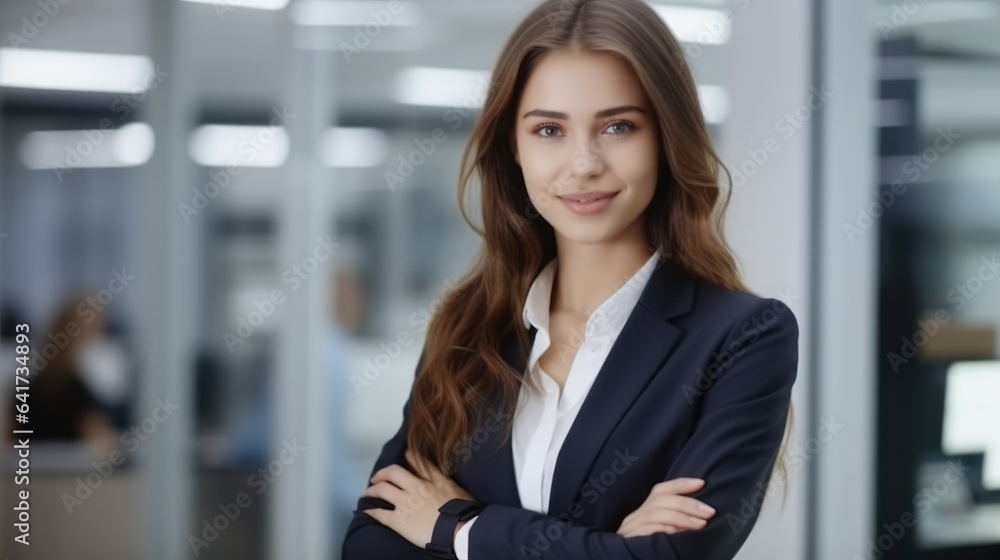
{"x":581,"y":83}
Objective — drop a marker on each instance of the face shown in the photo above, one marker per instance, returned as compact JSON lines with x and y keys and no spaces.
{"x":587,"y":143}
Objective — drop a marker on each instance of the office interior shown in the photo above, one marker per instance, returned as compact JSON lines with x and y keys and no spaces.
{"x":230,"y":221}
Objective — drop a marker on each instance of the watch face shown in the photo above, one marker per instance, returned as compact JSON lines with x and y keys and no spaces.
{"x":464,"y":509}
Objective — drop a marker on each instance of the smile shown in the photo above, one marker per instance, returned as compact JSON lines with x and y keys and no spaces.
{"x":588,"y":203}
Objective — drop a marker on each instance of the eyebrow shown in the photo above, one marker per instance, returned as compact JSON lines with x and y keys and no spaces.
{"x":597,"y":115}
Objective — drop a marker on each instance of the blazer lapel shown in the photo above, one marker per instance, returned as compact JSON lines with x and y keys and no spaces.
{"x":637,"y":354}
{"x":495,"y":461}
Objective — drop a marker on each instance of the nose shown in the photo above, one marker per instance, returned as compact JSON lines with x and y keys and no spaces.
{"x":587,"y":158}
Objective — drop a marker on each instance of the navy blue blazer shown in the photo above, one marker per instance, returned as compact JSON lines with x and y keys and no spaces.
{"x":697,"y":385}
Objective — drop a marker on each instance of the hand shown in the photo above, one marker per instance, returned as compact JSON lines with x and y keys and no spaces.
{"x":416,"y":498}
{"x":667,"y":511}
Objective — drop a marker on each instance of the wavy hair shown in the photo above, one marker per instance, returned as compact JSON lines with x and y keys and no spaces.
{"x":463,"y":376}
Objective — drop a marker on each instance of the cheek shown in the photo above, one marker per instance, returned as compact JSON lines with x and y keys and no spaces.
{"x":542,"y":168}
{"x":636,"y":166}
{"x":541,"y":176}
{"x":539,"y":192}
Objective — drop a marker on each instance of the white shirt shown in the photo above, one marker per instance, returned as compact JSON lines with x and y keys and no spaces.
{"x":543,"y":416}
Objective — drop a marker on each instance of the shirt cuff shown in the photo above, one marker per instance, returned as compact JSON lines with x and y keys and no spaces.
{"x":462,"y":540}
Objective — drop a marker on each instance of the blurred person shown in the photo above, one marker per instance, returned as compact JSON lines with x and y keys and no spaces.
{"x":247,"y":440}
{"x":62,"y":405}
{"x":250,"y":442}
{"x":601,"y":384}
{"x":107,"y":366}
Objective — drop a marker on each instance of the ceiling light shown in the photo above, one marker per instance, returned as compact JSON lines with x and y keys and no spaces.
{"x":255,"y":4}
{"x":218,"y":145}
{"x":441,"y":87}
{"x":74,"y":71}
{"x":130,"y":145}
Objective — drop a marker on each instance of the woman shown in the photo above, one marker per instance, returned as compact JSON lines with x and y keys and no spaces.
{"x":600,"y":385}
{"x":62,"y":405}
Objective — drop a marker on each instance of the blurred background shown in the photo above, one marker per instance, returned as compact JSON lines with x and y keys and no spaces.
{"x":226,"y":224}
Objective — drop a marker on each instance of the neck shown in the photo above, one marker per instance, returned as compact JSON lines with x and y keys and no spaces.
{"x":587,"y":274}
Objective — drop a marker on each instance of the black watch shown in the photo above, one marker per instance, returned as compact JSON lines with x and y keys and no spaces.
{"x":453,"y":512}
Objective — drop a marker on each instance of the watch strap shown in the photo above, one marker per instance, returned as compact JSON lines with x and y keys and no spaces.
{"x":452,"y":512}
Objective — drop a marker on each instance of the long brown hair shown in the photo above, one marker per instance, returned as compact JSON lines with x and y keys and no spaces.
{"x":463,"y":375}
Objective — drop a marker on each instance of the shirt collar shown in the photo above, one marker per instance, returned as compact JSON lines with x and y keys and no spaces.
{"x":608,"y":318}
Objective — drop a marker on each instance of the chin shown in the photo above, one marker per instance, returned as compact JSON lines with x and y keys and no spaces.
{"x":586,"y":233}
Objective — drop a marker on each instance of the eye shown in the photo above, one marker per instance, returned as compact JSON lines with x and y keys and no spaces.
{"x":547,"y":130}
{"x":620,"y":128}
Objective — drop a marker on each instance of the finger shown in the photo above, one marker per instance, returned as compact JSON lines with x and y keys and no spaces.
{"x":629,"y":529}
{"x":678,"y":486}
{"x":647,"y":529}
{"x":628,"y":519}
{"x":388,"y":492}
{"x":674,"y":518}
{"x":396,"y":475}
{"x":401,"y":501}
{"x":633,"y":520}
{"x":683,"y":504}
{"x":626,"y":535}
{"x":626,"y":526}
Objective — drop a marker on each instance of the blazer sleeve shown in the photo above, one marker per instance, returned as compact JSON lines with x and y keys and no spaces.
{"x":366,"y":538}
{"x":733,"y":448}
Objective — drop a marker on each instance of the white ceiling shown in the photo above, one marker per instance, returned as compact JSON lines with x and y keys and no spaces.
{"x":244,"y":60}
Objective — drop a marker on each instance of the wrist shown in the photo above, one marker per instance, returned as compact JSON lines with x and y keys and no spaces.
{"x":454,"y":515}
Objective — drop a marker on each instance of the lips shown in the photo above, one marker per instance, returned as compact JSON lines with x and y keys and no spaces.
{"x":588,"y":196}
{"x":587,"y":202}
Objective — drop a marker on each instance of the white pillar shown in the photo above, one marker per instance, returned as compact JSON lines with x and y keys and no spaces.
{"x":168,"y":285}
{"x":847,"y":307}
{"x":766,"y":145}
{"x":786,"y":225}
{"x":299,"y":518}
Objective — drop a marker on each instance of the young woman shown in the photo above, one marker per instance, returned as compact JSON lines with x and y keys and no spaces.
{"x":600,"y":385}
